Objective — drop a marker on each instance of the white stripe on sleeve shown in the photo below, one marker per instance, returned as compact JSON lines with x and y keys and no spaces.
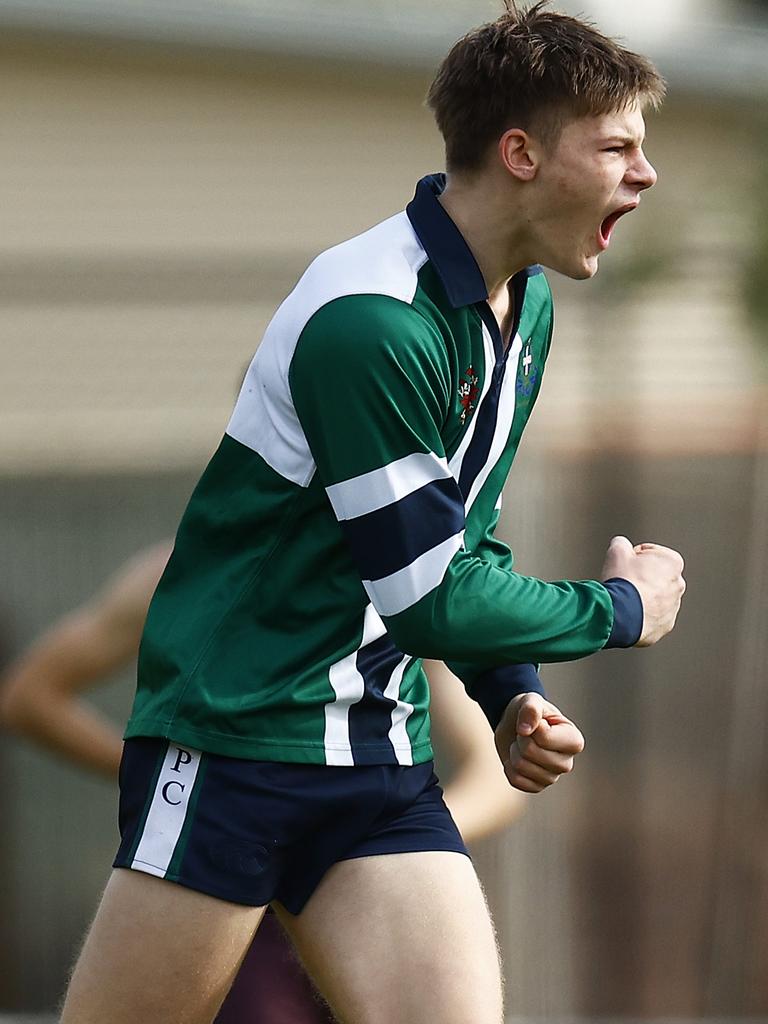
{"x":386,"y":485}
{"x":393,"y":594}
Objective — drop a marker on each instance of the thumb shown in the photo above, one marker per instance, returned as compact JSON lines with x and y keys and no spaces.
{"x":529,"y":714}
{"x":621,"y":545}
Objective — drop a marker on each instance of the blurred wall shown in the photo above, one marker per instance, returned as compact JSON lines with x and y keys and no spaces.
{"x":157,"y":207}
{"x":156,"y":212}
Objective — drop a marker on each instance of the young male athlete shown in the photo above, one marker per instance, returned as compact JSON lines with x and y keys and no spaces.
{"x":40,"y":698}
{"x":279,"y":747}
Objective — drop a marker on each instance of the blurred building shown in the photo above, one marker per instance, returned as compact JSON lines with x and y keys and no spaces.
{"x":168,"y":171}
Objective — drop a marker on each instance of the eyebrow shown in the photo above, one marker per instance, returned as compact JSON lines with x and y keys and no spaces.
{"x":624,"y":138}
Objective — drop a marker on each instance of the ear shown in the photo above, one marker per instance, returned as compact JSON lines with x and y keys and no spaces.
{"x":519,"y":154}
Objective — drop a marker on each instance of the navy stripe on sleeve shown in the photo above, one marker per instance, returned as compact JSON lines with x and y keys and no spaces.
{"x":394,"y":536}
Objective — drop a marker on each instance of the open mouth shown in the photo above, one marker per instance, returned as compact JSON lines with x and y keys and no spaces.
{"x":610,"y":222}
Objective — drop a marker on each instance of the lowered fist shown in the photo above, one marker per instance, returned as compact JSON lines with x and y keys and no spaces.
{"x":536,"y":743}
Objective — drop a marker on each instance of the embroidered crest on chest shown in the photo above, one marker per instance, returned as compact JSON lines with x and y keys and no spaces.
{"x":468,"y":392}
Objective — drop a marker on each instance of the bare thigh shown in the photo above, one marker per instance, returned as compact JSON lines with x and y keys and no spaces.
{"x":402,"y":939}
{"x":158,"y":952}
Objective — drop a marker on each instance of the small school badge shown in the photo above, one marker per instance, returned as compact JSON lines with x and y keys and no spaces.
{"x":468,"y":392}
{"x":526,"y":381}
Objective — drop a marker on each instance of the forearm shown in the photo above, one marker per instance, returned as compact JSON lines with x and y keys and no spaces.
{"x":40,"y":700}
{"x":481,"y":800}
{"x":40,"y":693}
{"x":489,"y":616}
{"x":73,"y":730}
{"x":476,"y":790}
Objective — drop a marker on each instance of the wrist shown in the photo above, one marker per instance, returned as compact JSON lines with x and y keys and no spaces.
{"x":495,"y":689}
{"x":628,"y":614}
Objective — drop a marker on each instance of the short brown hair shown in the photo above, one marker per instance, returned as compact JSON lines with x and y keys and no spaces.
{"x":531,"y":69}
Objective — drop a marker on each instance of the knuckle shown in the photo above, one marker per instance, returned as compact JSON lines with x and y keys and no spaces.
{"x":523,"y":784}
{"x":577,"y":745}
{"x":528,"y":768}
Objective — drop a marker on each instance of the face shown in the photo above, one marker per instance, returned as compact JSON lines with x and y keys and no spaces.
{"x":592,"y":177}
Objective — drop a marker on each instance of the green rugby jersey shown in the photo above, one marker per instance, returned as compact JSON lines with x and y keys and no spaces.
{"x":344,"y":528}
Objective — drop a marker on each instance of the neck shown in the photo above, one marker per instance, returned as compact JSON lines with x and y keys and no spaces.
{"x":494,"y":231}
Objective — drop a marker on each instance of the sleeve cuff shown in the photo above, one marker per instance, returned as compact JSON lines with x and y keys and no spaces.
{"x":493,"y":690}
{"x":627,"y":613}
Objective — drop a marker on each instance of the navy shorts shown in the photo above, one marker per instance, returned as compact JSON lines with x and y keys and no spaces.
{"x":254,"y":832}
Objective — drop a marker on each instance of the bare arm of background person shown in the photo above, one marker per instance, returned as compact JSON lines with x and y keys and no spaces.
{"x":39,"y":696}
{"x":478,"y":795}
{"x":39,"y":692}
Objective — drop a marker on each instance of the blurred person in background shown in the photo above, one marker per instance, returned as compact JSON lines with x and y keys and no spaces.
{"x":342,"y":532}
{"x":40,"y":699}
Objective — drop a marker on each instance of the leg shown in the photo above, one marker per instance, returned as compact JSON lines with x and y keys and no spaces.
{"x":158,"y":952}
{"x":402,"y":937}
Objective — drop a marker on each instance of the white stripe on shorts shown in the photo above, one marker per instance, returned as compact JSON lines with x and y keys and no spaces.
{"x":167,"y":811}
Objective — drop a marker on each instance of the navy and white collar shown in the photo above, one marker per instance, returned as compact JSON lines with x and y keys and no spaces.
{"x":448,"y":251}
{"x":444,"y":244}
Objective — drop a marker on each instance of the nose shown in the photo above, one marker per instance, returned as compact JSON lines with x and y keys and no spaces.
{"x":641,"y":173}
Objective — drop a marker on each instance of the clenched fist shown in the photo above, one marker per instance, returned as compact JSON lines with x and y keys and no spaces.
{"x":657,"y":573}
{"x":536,"y":743}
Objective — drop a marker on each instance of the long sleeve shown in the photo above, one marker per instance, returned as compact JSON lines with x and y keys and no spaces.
{"x":371,"y":384}
{"x":494,"y":688}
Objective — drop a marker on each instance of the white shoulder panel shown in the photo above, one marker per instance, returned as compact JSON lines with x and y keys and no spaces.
{"x":385,"y":260}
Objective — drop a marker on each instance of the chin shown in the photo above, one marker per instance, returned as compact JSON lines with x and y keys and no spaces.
{"x":583,"y":272}
{"x":577,"y":270}
{"x":589,"y":267}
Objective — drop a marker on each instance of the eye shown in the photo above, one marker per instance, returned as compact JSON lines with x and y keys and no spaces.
{"x":614,"y":149}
